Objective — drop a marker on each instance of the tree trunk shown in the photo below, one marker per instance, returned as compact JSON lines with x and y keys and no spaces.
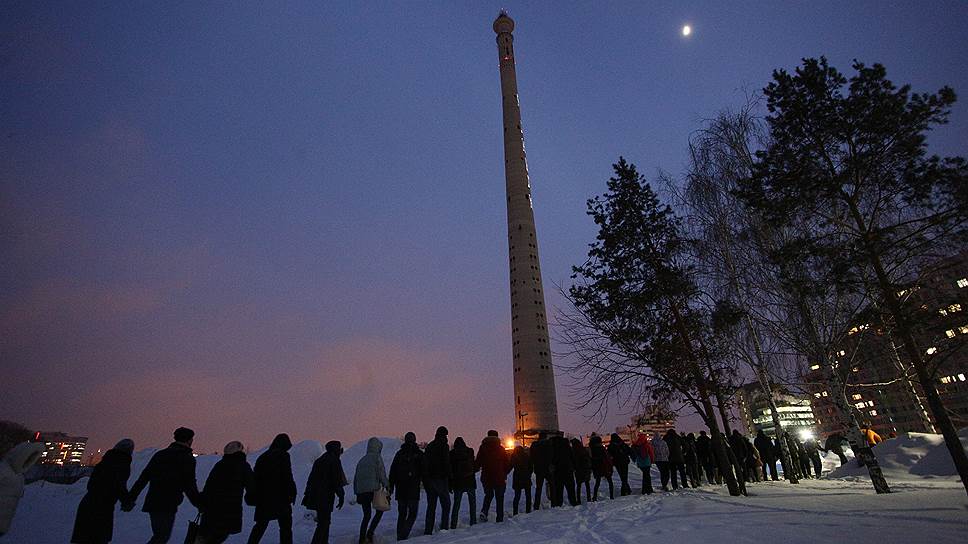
{"x":723,"y":412}
{"x":785,"y":457}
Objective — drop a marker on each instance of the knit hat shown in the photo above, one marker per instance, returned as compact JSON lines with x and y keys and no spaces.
{"x":126,"y":445}
{"x":233,"y":447}
{"x":184,"y":434}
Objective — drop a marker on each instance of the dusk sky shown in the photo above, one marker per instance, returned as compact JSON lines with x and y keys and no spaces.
{"x":259,"y":218}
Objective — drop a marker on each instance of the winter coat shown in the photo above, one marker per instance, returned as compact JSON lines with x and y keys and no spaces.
{"x":462,"y":467}
{"x":674,"y":441}
{"x":406,"y":472}
{"x":601,"y":461}
{"x":660,"y":448}
{"x":107,"y":485}
{"x":326,"y":480}
{"x":12,"y":468}
{"x":620,"y":452}
{"x":437,"y":460}
{"x":562,"y":457}
{"x":170,"y":476}
{"x":275,"y":488}
{"x":222,"y":494}
{"x":810,"y":446}
{"x":835,"y":443}
{"x":583,"y":461}
{"x":541,"y":457}
{"x":873,"y":438}
{"x":642,"y":452}
{"x":765,"y":446}
{"x":738,"y":445}
{"x":493,"y":462}
{"x":704,"y":449}
{"x":689,"y":448}
{"x":521,"y":463}
{"x":371,"y":474}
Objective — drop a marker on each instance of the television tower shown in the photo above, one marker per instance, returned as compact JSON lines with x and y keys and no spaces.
{"x":535,"y":401}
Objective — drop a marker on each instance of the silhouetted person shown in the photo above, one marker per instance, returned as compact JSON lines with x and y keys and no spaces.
{"x":275,"y":490}
{"x":521,"y":481}
{"x":704,"y":454}
{"x":677,"y":461}
{"x":583,"y":470}
{"x":692,"y":459}
{"x":406,"y":471}
{"x":660,"y":448}
{"x":463,"y":468}
{"x":495,"y":465}
{"x":835,"y":443}
{"x":644,"y":457}
{"x":108,"y":484}
{"x":229,"y":479}
{"x":562,"y":471}
{"x":766,"y":449}
{"x":371,"y":475}
{"x":812,"y":450}
{"x":621,"y":456}
{"x":541,"y":461}
{"x":324,"y":485}
{"x":437,"y":480}
{"x":738,"y":446}
{"x":170,"y":476}
{"x":602,"y":466}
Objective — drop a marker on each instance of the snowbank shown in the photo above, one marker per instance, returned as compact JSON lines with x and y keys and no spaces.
{"x":910,"y":456}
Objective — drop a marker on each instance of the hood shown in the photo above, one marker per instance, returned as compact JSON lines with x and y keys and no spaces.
{"x":23,"y":456}
{"x":281,"y":442}
{"x":459,"y":443}
{"x":334,"y":447}
{"x":617,"y":439}
{"x":594,"y":440}
{"x":373,"y":445}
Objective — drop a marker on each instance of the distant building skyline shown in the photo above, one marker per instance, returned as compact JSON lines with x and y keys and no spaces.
{"x":61,"y":448}
{"x":795,"y":411}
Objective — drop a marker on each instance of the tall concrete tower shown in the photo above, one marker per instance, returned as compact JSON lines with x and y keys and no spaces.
{"x":535,"y":402}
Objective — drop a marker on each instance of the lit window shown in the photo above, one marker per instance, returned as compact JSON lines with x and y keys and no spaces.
{"x":814,"y":367}
{"x":859,"y":405}
{"x":946,"y":379}
{"x":873,"y":412}
{"x":817,"y":395}
{"x":931,"y":350}
{"x":954,"y":308}
{"x":963,"y":282}
{"x":857,"y":396}
{"x":842,"y":353}
{"x":943,"y":312}
{"x":961,"y":377}
{"x":963,"y":329}
{"x":824,"y":393}
{"x":949,"y":333}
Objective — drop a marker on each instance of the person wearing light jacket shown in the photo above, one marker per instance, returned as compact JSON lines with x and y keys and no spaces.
{"x":661,"y":450}
{"x":371,"y":475}
{"x":12,"y":468}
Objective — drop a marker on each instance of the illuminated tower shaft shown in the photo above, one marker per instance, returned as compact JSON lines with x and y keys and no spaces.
{"x":535,"y":403}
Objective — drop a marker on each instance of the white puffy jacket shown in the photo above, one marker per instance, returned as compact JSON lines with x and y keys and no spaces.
{"x":12,"y":468}
{"x":661,"y":449}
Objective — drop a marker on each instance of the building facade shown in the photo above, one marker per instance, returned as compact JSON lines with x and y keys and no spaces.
{"x":61,"y":449}
{"x":795,"y":411}
{"x":654,"y":419}
{"x":883,"y":390}
{"x":535,"y":399}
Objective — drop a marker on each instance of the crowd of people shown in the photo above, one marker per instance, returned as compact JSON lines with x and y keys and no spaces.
{"x":446,"y":475}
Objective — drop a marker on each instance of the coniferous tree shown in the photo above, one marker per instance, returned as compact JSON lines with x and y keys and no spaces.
{"x":852,"y":154}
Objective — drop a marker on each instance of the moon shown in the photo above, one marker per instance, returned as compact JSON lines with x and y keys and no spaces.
{"x":686,"y":30}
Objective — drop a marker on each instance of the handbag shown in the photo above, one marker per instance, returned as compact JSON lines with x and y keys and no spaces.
{"x":192,"y":533}
{"x":381,"y":500}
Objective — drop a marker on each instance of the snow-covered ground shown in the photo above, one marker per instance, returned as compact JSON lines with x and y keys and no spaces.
{"x":929,"y":505}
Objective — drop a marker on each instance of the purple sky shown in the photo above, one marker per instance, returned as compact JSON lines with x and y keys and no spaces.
{"x":253,"y":219}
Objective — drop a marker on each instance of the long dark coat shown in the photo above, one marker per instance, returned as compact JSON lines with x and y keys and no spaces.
{"x":562,"y":458}
{"x":619,"y":451}
{"x":462,"y":467}
{"x":171,"y":475}
{"x":437,"y":460}
{"x":704,"y":449}
{"x":541,"y":456}
{"x":765,"y":447}
{"x":602,"y":466}
{"x":674,"y":441}
{"x":275,"y":489}
{"x":521,"y":463}
{"x":222,"y":495}
{"x":583,"y":461}
{"x":406,"y":472}
{"x":326,"y":480}
{"x":493,"y":462}
{"x":108,"y":484}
